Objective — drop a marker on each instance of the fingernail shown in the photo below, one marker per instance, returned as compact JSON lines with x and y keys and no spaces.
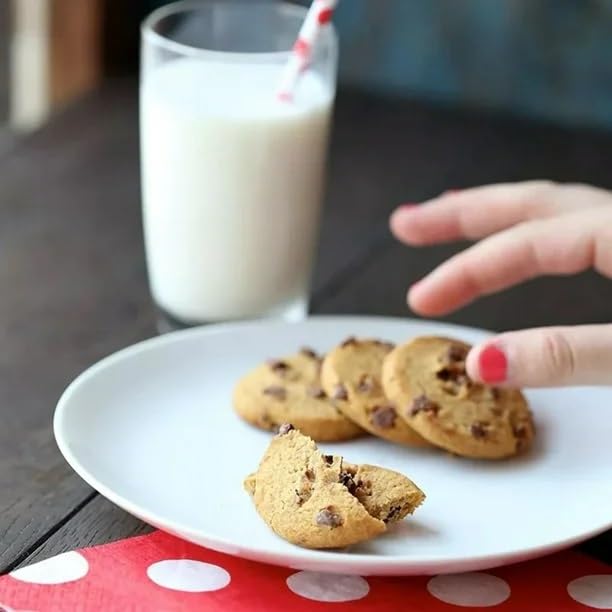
{"x":451,"y":192}
{"x":493,"y":364}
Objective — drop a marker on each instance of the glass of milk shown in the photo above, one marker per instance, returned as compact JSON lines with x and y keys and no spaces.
{"x":232,"y":178}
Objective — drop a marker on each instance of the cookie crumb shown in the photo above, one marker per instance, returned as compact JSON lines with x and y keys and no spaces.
{"x":328,"y":517}
{"x":276,"y":392}
{"x":383,"y":416}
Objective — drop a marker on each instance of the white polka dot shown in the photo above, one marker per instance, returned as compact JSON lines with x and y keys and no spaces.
{"x":188,"y":575}
{"x":471,"y":590}
{"x":594,"y":591}
{"x":328,"y":587}
{"x":66,"y":567}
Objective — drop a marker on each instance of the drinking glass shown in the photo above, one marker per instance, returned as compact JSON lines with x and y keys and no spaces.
{"x":232,"y":177}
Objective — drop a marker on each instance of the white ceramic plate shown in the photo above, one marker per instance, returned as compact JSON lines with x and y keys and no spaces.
{"x":153,"y":430}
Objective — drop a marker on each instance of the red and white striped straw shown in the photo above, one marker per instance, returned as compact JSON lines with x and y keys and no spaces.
{"x":319,"y":14}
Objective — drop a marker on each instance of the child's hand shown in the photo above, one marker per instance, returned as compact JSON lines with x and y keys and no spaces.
{"x":527,"y":229}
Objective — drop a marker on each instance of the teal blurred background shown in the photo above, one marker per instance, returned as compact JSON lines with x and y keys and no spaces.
{"x":550,"y":59}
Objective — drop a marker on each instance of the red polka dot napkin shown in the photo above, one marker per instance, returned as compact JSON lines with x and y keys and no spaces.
{"x":160,"y":573}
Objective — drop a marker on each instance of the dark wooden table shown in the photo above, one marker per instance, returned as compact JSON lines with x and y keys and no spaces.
{"x":73,"y":282}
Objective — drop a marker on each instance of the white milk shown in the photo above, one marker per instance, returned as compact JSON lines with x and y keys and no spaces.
{"x":232,"y":187}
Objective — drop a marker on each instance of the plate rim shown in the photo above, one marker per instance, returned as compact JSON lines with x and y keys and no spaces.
{"x":352,"y":563}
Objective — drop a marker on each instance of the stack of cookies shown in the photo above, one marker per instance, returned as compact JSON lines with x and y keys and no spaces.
{"x":416,"y":394}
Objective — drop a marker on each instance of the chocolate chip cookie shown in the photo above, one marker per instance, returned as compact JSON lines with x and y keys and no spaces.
{"x":351,"y":377}
{"x":426,"y":379}
{"x":321,"y":501}
{"x":289,"y":390}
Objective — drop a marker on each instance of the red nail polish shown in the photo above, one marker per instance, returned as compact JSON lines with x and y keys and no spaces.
{"x":493,"y":365}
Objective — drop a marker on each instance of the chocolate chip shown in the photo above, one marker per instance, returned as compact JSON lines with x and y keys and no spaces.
{"x":276,"y":392}
{"x":304,"y":494}
{"x":521,"y":434}
{"x":393,"y":513}
{"x":423,"y":404}
{"x":456,"y":352}
{"x":285,"y":428}
{"x":479,"y":430}
{"x":350,"y":341}
{"x":365,"y":384}
{"x":310,"y":475}
{"x":383,"y":416}
{"x":329,"y":459}
{"x":358,"y":488}
{"x":308,"y":352}
{"x":445,"y":374}
{"x":455,"y":376}
{"x":364,"y":488}
{"x":348,"y":481}
{"x":316,"y":392}
{"x":388,"y":345}
{"x":496,"y":393}
{"x":280,"y":367}
{"x":340,"y":392}
{"x":328,"y":517}
{"x":519,"y":431}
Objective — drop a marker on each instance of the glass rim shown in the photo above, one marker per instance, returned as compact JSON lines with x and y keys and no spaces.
{"x":149,"y":35}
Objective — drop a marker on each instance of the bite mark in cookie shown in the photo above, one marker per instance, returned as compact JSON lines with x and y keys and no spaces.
{"x":322,"y":501}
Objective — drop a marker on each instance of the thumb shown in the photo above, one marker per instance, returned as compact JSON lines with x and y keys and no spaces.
{"x":545,"y":357}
